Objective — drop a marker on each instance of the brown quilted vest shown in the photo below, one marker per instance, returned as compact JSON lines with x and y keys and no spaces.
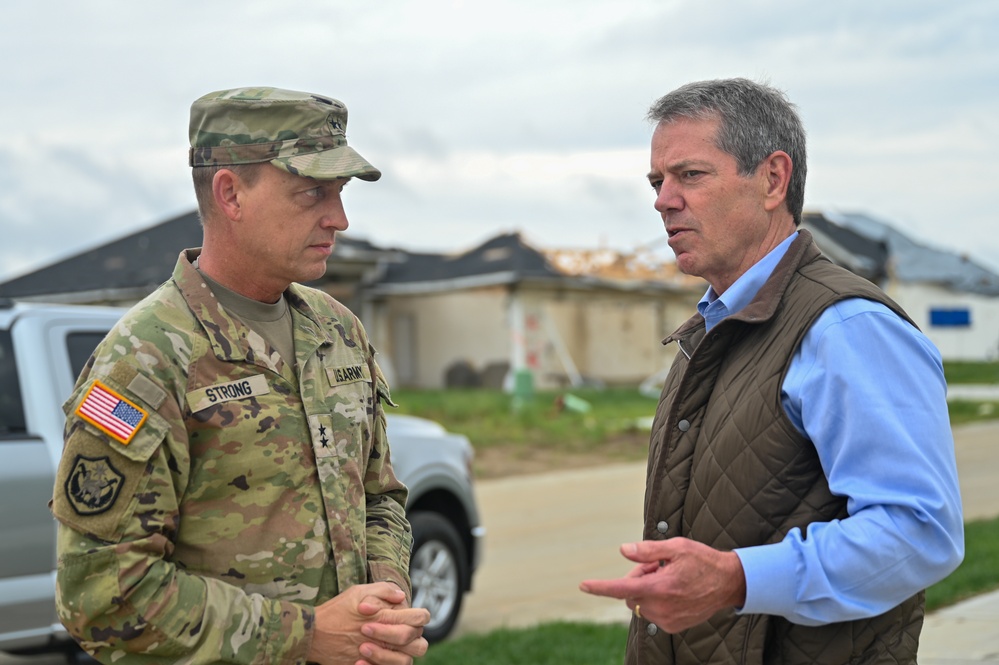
{"x":727,"y":468}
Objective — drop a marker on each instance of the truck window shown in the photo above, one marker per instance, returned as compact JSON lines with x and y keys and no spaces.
{"x":11,"y":406}
{"x":80,"y":346}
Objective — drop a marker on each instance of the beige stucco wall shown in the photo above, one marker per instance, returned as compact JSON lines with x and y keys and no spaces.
{"x":613,"y":337}
{"x":616,"y":338}
{"x":459,"y":325}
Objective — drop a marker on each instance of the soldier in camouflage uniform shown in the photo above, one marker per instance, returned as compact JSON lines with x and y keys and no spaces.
{"x":226,"y":492}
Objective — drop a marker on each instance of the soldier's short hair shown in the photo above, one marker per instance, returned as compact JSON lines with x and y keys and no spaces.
{"x":203,"y":176}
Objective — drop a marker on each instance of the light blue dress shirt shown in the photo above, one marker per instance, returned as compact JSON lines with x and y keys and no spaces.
{"x":868,"y":390}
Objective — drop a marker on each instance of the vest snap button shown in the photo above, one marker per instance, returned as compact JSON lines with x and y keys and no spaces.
{"x":662,"y":527}
{"x":652,"y":629}
{"x":683,"y":425}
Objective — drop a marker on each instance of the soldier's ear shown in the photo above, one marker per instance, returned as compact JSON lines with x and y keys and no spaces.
{"x":225,"y":191}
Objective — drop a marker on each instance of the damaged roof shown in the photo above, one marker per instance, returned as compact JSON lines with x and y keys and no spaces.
{"x":505,"y":254}
{"x":911,"y":261}
{"x":856,"y":252}
{"x":503,"y":260}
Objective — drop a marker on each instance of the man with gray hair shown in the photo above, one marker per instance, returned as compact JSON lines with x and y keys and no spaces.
{"x":802,"y":488}
{"x":226,"y":494}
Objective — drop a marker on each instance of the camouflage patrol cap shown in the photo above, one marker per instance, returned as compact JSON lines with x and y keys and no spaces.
{"x":298,"y":132}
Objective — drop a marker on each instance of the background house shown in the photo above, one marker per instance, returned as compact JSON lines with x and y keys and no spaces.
{"x":464,"y":319}
{"x":504,"y":305}
{"x":568,"y":317}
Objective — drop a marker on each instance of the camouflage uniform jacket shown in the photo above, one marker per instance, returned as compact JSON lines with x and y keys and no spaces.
{"x":208,"y":496}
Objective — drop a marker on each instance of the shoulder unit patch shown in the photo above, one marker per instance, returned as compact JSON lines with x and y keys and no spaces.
{"x":111,"y":413}
{"x":93,"y":485}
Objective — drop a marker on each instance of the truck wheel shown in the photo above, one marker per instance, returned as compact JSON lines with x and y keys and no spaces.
{"x":439,"y":569}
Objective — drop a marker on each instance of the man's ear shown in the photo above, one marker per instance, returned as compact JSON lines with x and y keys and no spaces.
{"x":226,"y":187}
{"x":777,"y":170}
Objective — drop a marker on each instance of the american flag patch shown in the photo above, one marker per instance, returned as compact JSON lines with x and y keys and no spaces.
{"x":111,"y":413}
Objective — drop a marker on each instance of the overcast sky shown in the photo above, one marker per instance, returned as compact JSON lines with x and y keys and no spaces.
{"x":494,"y":116}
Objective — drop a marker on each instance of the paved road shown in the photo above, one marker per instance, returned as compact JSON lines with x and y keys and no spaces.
{"x":548,"y":532}
{"x":977,"y":449}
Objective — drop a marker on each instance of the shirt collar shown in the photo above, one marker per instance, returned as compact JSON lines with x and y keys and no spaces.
{"x":714,"y":307}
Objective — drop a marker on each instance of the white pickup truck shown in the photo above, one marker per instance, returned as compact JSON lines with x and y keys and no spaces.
{"x":43,"y":349}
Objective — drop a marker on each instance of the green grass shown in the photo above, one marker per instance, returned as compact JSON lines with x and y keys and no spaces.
{"x":969,"y":411}
{"x":487,"y":417}
{"x":971,"y":372}
{"x":548,"y":644}
{"x":963,"y":411}
{"x":596,"y":644}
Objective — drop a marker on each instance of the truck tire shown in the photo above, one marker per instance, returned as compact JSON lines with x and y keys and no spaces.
{"x":439,"y":570}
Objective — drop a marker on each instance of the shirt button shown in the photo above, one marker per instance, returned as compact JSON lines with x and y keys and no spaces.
{"x":683,"y":425}
{"x":652,"y":629}
{"x":662,"y":527}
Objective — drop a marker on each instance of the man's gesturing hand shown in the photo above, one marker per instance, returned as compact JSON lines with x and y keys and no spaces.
{"x":368,"y":624}
{"x":678,"y":583}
